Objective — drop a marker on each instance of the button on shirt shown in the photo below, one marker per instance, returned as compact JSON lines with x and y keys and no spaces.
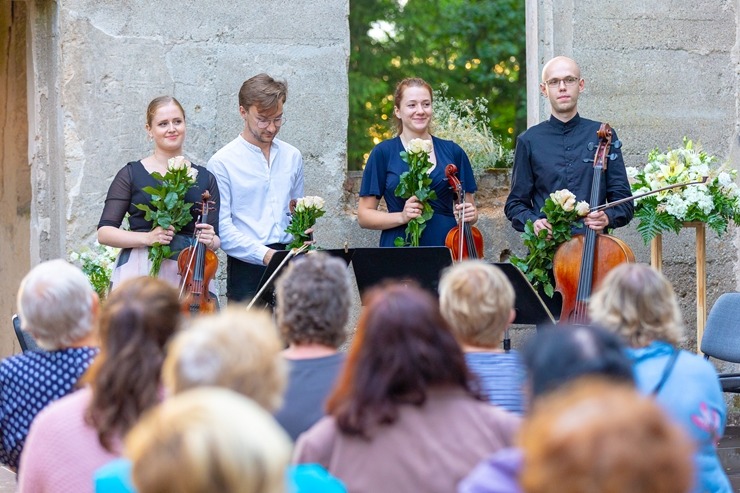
{"x":555,"y":155}
{"x":255,"y":196}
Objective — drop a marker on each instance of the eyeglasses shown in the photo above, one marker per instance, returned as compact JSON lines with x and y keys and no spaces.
{"x":262,"y":123}
{"x":568,"y":81}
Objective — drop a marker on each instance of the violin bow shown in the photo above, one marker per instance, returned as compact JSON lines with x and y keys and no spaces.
{"x":641,"y":195}
{"x":292,"y":253}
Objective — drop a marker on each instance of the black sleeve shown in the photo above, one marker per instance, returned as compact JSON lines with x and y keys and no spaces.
{"x":118,"y":200}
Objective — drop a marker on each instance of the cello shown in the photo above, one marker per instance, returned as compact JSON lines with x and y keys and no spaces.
{"x":464,"y":240}
{"x":582,"y":262}
{"x":197,"y":266}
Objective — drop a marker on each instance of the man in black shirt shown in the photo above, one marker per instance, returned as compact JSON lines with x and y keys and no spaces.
{"x":558,"y":153}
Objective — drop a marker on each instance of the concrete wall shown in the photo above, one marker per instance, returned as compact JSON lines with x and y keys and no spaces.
{"x":95,"y":65}
{"x":657,"y":71}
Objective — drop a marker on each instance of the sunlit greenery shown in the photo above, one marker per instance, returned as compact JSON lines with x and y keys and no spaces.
{"x":474,"y":47}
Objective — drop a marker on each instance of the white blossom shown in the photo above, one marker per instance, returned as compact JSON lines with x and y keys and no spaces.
{"x":417,"y":146}
{"x":177,"y":163}
{"x":631,"y":171}
{"x":582,"y":208}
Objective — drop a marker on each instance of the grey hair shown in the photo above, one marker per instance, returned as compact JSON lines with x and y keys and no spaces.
{"x":313,"y":300}
{"x":55,"y":304}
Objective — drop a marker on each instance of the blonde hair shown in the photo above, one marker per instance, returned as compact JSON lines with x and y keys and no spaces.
{"x":236,"y":349}
{"x":595,"y":436}
{"x":207,"y":440}
{"x":476,"y":299}
{"x":639,"y":304}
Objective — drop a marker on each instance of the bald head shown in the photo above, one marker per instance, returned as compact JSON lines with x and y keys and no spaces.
{"x":560,"y":64}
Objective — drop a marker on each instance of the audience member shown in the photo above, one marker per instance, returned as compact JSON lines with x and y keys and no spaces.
{"x":58,"y":308}
{"x":595,"y":436}
{"x":236,"y":349}
{"x":553,"y":358}
{"x":313,"y":302}
{"x":205,"y":440}
{"x":638,"y":303}
{"x":405,"y":415}
{"x":477,"y":301}
{"x":75,"y":435}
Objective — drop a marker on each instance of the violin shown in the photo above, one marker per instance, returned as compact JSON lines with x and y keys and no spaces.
{"x":197,"y":266}
{"x":464,"y":240}
{"x":581,"y":263}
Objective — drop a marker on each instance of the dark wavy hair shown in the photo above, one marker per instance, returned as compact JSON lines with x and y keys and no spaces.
{"x":136,"y":321}
{"x":402,"y":348}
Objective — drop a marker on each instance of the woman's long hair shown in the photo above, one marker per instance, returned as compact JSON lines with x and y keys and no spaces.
{"x":402,"y":348}
{"x":136,"y":322}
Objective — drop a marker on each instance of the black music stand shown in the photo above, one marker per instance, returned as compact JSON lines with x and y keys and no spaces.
{"x":529,"y":306}
{"x":267,"y":298}
{"x":422,"y":265}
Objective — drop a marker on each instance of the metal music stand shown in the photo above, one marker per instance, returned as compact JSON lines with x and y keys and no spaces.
{"x":267,"y":297}
{"x":422,"y":265}
{"x":529,"y":306}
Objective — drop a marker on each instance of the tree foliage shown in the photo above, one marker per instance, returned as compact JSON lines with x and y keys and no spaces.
{"x":475,"y":47}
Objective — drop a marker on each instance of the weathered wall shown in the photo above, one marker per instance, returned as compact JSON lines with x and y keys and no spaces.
{"x":15,"y":181}
{"x":657,"y":71}
{"x":95,"y":65}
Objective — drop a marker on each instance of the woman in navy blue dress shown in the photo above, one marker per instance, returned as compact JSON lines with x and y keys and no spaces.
{"x":413,"y":114}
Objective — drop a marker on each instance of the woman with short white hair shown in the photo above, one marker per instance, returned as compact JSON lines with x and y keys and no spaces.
{"x":57,"y":306}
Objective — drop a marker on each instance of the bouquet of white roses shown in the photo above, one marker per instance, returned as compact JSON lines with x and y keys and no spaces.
{"x":716,"y":202}
{"x":416,"y":182}
{"x":562,"y":212}
{"x":168,"y":207}
{"x":97,"y":263}
{"x":307,"y":211}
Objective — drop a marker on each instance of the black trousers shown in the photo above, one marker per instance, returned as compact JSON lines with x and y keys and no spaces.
{"x":243,"y":278}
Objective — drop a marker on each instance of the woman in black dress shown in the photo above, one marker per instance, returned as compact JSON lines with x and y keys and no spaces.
{"x":166,"y":128}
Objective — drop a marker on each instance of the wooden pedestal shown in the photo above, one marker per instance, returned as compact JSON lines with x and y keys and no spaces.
{"x":656,"y":260}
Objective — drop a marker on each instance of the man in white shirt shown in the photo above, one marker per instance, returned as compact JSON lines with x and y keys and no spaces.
{"x":258,"y":175}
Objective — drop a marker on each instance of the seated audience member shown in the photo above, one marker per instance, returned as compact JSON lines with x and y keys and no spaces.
{"x":595,"y":436}
{"x":637,"y":302}
{"x":57,"y":307}
{"x":313,"y":302}
{"x":233,"y":349}
{"x":206,"y":440}
{"x":75,"y":435}
{"x":405,"y":415}
{"x":236,"y":349}
{"x":553,"y":358}
{"x":477,"y":301}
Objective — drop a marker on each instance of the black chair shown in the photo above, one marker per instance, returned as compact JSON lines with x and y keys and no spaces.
{"x":24,"y":338}
{"x":721,"y":338}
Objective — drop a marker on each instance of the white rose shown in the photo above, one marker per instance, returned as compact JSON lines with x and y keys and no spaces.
{"x":416,"y":146}
{"x":565,"y":199}
{"x":192,"y":173}
{"x":177,"y":163}
{"x":582,"y":208}
{"x":427,"y":146}
{"x":570,"y":203}
{"x":300,"y":205}
{"x":309,"y":202}
{"x":631,"y":171}
{"x":318,"y":203}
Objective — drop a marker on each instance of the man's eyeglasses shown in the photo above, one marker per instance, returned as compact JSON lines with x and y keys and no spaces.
{"x":262,"y":123}
{"x":568,"y":81}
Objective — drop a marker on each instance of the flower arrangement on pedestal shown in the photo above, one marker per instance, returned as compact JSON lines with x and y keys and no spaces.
{"x":563,"y":213}
{"x":307,"y":211}
{"x":97,"y":263}
{"x":416,"y":182}
{"x":168,"y":207}
{"x":716,"y":202}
